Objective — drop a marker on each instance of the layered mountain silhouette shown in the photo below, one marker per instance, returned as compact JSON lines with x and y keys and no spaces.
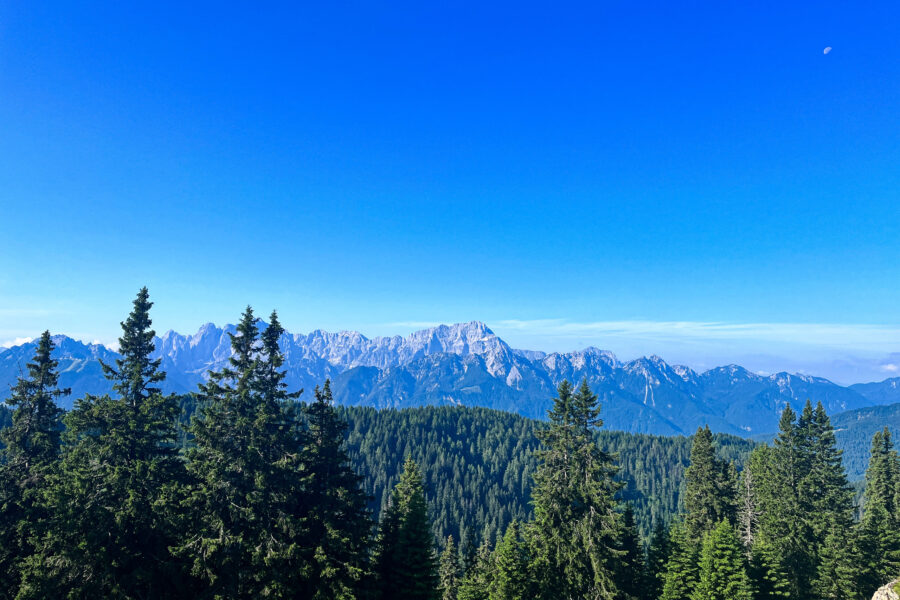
{"x":467,"y":364}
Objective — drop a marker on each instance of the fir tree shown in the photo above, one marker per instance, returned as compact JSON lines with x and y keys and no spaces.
{"x":723,"y":573}
{"x":658,"y":554}
{"x":880,"y":526}
{"x":510,"y":577}
{"x":837,"y":573}
{"x":575,"y":528}
{"x":448,"y":570}
{"x":630,"y":568}
{"x":338,"y":524}
{"x":783,"y":512}
{"x":682,"y":569}
{"x":246,"y":462}
{"x":477,"y":579}
{"x":709,"y":487}
{"x":828,"y":502}
{"x":29,"y":456}
{"x":768,"y":579}
{"x":121,"y":480}
{"x":405,"y":562}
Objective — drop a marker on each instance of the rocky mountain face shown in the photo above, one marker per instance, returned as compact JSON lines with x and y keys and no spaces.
{"x":468,"y":364}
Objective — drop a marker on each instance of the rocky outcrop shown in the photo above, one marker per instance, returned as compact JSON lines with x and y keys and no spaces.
{"x":887,"y":592}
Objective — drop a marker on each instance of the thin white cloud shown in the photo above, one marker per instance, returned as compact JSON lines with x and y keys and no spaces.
{"x":17,"y":342}
{"x":878,"y":338}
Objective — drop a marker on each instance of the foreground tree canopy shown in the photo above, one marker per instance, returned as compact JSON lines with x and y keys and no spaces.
{"x":245,"y":491}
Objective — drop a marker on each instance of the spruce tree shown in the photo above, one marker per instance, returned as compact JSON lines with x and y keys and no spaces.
{"x":768,"y":579}
{"x":658,"y":554}
{"x":405,"y":562}
{"x":880,"y":526}
{"x":247,"y":499}
{"x":709,"y":487}
{"x":682,"y":569}
{"x":630,"y":568}
{"x":476,"y":582}
{"x":510,"y":577}
{"x":448,"y":570}
{"x":723,"y":572}
{"x":837,"y":573}
{"x":30,"y":455}
{"x":338,"y":525}
{"x":121,"y":480}
{"x":828,"y":501}
{"x":783,"y":511}
{"x":575,"y":527}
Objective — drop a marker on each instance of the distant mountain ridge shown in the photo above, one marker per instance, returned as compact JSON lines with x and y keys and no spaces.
{"x":466,"y":363}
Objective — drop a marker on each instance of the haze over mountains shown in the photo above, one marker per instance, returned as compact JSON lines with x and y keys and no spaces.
{"x":468,"y":364}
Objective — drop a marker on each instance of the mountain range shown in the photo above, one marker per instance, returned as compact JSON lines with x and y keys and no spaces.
{"x":467,"y":364}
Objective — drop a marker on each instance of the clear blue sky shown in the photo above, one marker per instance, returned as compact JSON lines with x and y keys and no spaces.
{"x":377,"y":165}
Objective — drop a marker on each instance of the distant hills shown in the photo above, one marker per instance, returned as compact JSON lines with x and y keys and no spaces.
{"x":467,"y":364}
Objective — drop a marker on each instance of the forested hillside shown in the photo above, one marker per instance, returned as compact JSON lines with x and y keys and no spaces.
{"x":478,"y":465}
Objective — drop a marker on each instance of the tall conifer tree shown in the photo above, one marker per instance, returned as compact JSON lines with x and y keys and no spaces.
{"x":29,"y":457}
{"x":630,"y":569}
{"x":338,"y":525}
{"x":405,"y":562}
{"x":121,"y":481}
{"x":658,"y":554}
{"x":784,"y":517}
{"x":682,"y":569}
{"x":880,"y":526}
{"x":510,"y":577}
{"x":448,"y":570}
{"x":575,"y":528}
{"x":723,"y":572}
{"x":246,"y":462}
{"x":477,"y":579}
{"x":709,"y":487}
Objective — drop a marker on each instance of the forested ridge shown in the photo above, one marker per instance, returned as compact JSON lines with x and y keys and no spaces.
{"x":247,"y":489}
{"x":479,"y":463}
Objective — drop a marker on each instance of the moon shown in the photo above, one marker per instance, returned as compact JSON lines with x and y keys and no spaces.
{"x":826,"y":50}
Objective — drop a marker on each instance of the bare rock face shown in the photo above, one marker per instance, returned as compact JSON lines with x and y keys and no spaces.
{"x":887,"y":592}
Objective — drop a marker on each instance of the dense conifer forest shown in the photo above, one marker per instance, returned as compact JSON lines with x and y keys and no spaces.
{"x":247,"y":489}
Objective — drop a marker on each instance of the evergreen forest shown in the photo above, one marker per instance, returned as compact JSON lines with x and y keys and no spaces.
{"x":248,"y":489}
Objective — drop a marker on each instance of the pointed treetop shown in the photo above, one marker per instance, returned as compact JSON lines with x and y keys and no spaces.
{"x":136,"y":373}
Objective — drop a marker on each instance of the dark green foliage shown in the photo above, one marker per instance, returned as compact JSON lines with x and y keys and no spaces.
{"x":246,"y":504}
{"x":723,"y":572}
{"x":478,"y":465}
{"x":31,"y":443}
{"x":476,"y":582}
{"x":448,"y":570}
{"x":405,"y":562}
{"x":510,"y":577}
{"x":768,"y":579}
{"x":337,"y":521}
{"x":784,"y":518}
{"x":658,"y":553}
{"x":631,"y":577}
{"x":575,"y":528}
{"x":114,"y":501}
{"x":880,"y":527}
{"x":682,"y":570}
{"x":710,"y":487}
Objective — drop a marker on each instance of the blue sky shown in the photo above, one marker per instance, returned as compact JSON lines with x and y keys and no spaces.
{"x":569,"y":173}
